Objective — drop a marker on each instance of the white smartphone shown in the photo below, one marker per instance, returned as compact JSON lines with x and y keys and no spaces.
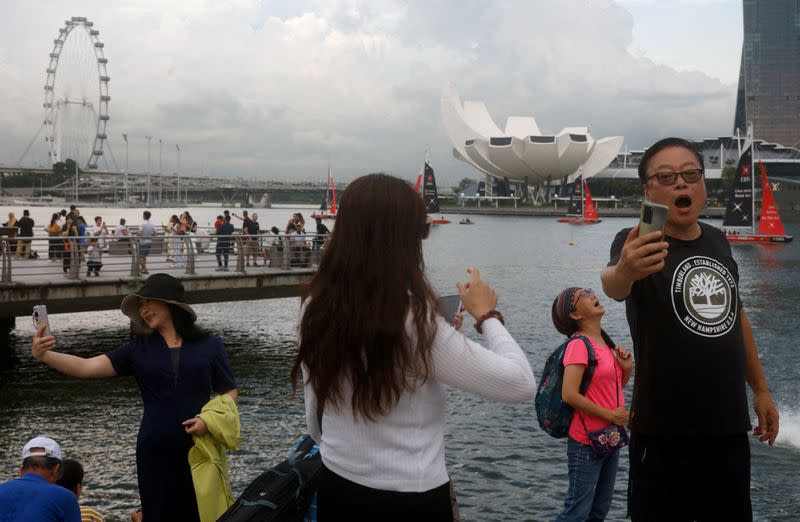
{"x":40,"y":317}
{"x":449,"y":306}
{"x":653,"y":217}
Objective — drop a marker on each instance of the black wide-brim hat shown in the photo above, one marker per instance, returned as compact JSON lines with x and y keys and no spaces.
{"x":162,"y":287}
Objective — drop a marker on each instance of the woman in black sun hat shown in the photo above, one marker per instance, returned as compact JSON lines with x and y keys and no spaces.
{"x":177,"y":366}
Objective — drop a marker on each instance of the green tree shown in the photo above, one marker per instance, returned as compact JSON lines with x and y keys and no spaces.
{"x":463,"y":184}
{"x":727,"y":178}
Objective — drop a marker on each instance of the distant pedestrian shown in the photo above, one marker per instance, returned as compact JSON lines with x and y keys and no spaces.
{"x":72,"y":479}
{"x":25,"y":225}
{"x":69,"y":243}
{"x":74,"y":213}
{"x":319,"y":239}
{"x":82,"y":227}
{"x":53,"y":231}
{"x":220,"y":220}
{"x":94,"y":258}
{"x":34,"y":496}
{"x":249,"y":238}
{"x":100,"y":231}
{"x":224,"y":241}
{"x":171,"y":230}
{"x":146,"y":233}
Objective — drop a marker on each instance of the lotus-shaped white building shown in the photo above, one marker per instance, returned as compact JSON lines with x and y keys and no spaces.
{"x":521,"y":153}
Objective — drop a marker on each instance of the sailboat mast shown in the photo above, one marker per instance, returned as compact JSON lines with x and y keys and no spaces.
{"x":752,"y":175}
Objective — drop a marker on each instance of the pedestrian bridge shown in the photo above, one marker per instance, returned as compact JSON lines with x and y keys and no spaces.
{"x":279,"y":271}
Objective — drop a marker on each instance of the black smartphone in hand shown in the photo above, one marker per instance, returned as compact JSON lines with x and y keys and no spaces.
{"x":449,"y":306}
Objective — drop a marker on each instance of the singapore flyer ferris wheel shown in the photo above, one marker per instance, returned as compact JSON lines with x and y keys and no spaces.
{"x":76,"y":95}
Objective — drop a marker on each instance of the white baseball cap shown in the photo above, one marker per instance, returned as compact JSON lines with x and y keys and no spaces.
{"x":41,"y":447}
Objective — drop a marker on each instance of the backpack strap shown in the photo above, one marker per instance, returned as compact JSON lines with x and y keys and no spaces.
{"x":591,"y":362}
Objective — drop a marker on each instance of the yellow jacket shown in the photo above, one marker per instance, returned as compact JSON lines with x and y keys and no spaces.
{"x":208,"y":458}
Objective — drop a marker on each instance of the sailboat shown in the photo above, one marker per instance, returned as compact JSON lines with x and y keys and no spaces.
{"x":427,"y":183}
{"x":580,"y":211}
{"x":329,"y":191}
{"x":740,"y":212}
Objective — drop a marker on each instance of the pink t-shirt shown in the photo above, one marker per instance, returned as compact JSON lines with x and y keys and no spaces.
{"x":603,"y":388}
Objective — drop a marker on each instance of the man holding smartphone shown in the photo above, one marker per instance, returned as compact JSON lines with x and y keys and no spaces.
{"x":694,"y":349}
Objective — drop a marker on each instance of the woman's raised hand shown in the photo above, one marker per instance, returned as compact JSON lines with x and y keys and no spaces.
{"x":42,"y":344}
{"x":477,"y":297}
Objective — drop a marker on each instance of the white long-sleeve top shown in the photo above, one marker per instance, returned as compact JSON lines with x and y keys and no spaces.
{"x":404,"y":450}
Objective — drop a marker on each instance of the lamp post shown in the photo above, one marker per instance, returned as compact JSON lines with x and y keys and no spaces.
{"x":148,"y":138}
{"x":160,"y":172}
{"x":178,"y":184}
{"x":125,"y":179}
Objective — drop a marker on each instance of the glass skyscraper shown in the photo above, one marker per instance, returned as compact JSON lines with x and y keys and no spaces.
{"x":769,"y":80}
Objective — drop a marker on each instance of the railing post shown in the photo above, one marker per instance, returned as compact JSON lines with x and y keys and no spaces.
{"x":5,"y":263}
{"x":191,"y":253}
{"x":286,"y":257}
{"x":240,"y":255}
{"x":134,"y":242}
{"x":74,"y":260}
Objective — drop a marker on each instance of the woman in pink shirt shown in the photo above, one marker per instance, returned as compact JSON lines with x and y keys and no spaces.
{"x":577,"y":312}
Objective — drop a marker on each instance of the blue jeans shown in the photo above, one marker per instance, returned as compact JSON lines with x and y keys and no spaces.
{"x":591,"y":483}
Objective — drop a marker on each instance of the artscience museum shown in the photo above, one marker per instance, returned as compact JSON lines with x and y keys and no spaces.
{"x":521,"y":152}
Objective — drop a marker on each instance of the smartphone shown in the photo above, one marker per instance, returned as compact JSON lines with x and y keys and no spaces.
{"x":40,"y":317}
{"x":449,"y":306}
{"x":653,"y":217}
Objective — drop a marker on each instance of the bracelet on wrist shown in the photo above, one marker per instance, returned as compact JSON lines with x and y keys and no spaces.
{"x":490,"y":314}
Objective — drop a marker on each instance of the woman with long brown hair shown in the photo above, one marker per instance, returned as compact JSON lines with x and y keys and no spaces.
{"x":375,"y":356}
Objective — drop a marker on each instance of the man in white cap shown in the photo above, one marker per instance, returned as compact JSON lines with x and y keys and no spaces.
{"x":34,"y":496}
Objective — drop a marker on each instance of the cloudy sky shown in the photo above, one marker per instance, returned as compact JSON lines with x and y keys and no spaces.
{"x":276,"y":89}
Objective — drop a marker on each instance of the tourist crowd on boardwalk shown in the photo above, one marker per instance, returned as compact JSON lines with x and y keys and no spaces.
{"x":375,"y":352}
{"x":69,"y":235}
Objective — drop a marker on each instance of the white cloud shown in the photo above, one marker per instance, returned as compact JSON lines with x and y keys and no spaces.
{"x":278,"y":89}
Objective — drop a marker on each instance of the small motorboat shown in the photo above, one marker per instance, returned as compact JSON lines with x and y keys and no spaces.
{"x":466,"y":221}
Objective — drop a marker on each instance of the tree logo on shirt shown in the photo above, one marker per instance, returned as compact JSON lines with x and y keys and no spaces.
{"x":704,"y":296}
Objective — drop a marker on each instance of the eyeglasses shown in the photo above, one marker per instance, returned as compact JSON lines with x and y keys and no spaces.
{"x":669,"y":178}
{"x":583,"y":292}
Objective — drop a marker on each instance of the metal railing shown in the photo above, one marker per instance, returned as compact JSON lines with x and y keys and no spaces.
{"x":38,"y":259}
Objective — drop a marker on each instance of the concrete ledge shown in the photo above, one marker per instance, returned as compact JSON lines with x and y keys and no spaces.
{"x":18,"y":299}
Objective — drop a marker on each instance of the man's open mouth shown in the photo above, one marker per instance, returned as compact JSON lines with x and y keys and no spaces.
{"x":683,"y":202}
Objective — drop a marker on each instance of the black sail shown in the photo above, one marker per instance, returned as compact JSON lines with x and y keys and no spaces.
{"x":739,"y":212}
{"x":575,"y":207}
{"x":429,"y":190}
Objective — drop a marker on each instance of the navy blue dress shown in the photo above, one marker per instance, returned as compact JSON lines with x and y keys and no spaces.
{"x":162,"y":446}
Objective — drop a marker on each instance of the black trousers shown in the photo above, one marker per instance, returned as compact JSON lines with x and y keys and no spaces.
{"x":679,"y":479}
{"x":342,"y":499}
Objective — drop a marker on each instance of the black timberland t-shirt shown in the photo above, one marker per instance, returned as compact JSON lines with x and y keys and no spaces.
{"x":685,"y":322}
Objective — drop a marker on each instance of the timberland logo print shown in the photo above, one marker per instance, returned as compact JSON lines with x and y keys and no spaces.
{"x":704,"y":296}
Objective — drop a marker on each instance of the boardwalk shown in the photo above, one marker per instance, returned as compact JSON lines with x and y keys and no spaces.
{"x":27,"y":282}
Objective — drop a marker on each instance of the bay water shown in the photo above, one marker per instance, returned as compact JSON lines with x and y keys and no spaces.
{"x":503,"y":466}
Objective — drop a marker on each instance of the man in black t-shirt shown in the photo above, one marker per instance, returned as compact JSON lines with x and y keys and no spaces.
{"x":25,"y":224}
{"x":694,"y":349}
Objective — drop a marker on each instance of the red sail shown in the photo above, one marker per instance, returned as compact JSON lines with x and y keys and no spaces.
{"x":333,"y":196}
{"x":589,"y":212}
{"x":419,"y":183}
{"x":770,"y":222}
